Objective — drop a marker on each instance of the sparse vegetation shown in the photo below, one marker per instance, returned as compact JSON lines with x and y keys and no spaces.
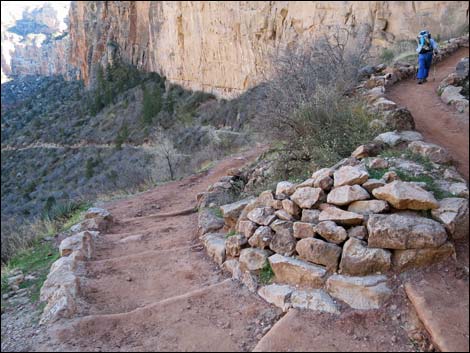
{"x":231,"y":233}
{"x":266,"y":274}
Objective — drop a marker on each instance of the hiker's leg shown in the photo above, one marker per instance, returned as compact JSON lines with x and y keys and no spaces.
{"x":428,"y":62}
{"x":422,"y":73}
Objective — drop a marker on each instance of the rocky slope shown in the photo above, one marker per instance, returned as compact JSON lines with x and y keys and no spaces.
{"x":223,"y":47}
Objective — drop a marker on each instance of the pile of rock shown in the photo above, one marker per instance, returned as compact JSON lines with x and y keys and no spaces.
{"x":62,"y":286}
{"x":336,"y":233}
{"x":451,"y":87}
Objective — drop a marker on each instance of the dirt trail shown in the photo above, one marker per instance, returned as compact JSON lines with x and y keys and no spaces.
{"x":151,"y":286}
{"x":438,"y":123}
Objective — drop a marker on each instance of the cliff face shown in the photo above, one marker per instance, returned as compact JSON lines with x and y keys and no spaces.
{"x":222,"y":47}
{"x":34,"y":41}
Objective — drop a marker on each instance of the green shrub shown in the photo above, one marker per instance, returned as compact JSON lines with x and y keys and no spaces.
{"x":122,"y":136}
{"x":152,"y":104}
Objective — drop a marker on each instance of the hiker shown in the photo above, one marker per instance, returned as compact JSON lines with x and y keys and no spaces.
{"x":426,"y":47}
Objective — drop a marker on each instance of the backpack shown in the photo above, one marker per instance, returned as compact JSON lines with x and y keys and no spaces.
{"x":424,"y":41}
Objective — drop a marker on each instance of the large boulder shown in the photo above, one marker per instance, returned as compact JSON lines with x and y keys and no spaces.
{"x":372,"y":184}
{"x":435,"y":153}
{"x":402,"y":231}
{"x":307,"y":197}
{"x":405,"y":195}
{"x":234,"y":244}
{"x":262,"y":215}
{"x":350,"y":175}
{"x":360,"y":260}
{"x":319,"y":252}
{"x":369,"y":292}
{"x":261,"y":238}
{"x":413,"y":258}
{"x":346,"y":194}
{"x":453,"y":213}
{"x":297,"y":272}
{"x":208,"y":222}
{"x":340,"y":216}
{"x":232,"y":211}
{"x":253,"y":259}
{"x":368,"y":207}
{"x":283,"y":241}
{"x":331,"y":231}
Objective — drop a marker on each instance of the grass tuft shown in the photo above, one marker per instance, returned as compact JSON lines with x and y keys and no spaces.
{"x":266,"y":274}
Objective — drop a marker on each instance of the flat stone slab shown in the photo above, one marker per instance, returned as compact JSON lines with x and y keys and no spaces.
{"x":294,"y":271}
{"x":444,"y":310}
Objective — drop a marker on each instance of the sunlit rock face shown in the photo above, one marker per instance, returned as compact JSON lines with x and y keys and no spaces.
{"x":224,"y":47}
{"x":35,"y":38}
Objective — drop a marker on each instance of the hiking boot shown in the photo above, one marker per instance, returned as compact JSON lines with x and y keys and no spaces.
{"x":425,"y":80}
{"x":420,"y":81}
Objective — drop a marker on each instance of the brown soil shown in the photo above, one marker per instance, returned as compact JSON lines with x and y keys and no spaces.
{"x":438,"y":123}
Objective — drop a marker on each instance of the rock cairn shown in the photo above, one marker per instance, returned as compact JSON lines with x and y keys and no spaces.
{"x":62,"y":286}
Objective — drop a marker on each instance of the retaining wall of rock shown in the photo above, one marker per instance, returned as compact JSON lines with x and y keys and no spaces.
{"x":61,"y":289}
{"x":340,"y":232}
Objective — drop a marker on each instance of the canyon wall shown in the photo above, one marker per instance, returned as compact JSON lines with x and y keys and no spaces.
{"x":223,"y":47}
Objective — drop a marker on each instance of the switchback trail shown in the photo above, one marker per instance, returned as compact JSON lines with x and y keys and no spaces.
{"x":438,"y":123}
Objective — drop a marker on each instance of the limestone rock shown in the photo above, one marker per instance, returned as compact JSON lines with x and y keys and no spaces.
{"x":398,"y":231}
{"x":404,"y":195}
{"x":291,"y":208}
{"x":297,"y":272}
{"x":453,"y":213}
{"x":263,"y":216}
{"x":261,"y":238}
{"x":372,"y":184}
{"x":233,"y":267}
{"x":208,"y":222}
{"x":283,"y":215}
{"x":314,"y":299}
{"x":215,"y":246}
{"x":250,"y":281}
{"x":247,"y":228}
{"x":358,"y":232}
{"x":283,"y":241}
{"x":346,"y":194}
{"x":62,"y":304}
{"x":378,"y":163}
{"x":368,"y":207}
{"x":459,"y":190}
{"x":390,"y":176}
{"x":94,"y":212}
{"x":234,"y":244}
{"x":383,"y":104}
{"x":310,"y":216}
{"x":398,"y":119}
{"x":404,"y":260}
{"x":253,"y":259}
{"x":369,"y":292}
{"x":322,"y":173}
{"x":350,"y":175}
{"x":323,"y":182}
{"x":306,"y":183}
{"x":277,"y":294}
{"x":319,"y":252}
{"x":307,"y":197}
{"x":331,"y":232}
{"x":285,"y":188}
{"x":267,"y":199}
{"x":303,"y":230}
{"x":435,"y":153}
{"x":364,"y":151}
{"x":81,"y":242}
{"x":360,"y":260}
{"x":393,"y":138}
{"x":340,"y":216}
{"x":232,"y":211}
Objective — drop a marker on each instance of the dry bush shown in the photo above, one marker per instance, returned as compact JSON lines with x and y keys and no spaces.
{"x":305,"y":101}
